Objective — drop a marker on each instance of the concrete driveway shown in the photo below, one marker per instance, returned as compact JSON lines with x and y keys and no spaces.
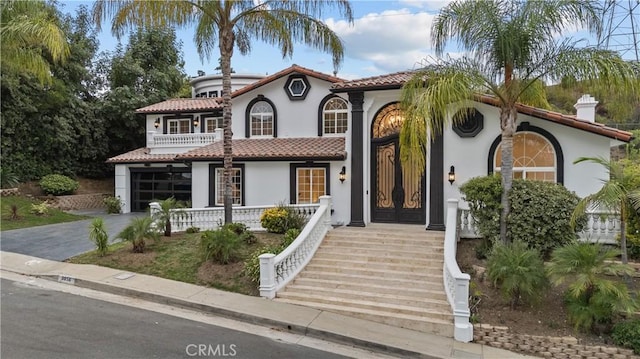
{"x":62,"y":240}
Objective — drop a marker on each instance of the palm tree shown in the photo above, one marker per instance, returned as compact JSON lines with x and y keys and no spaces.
{"x":138,"y":231}
{"x":620,"y":193}
{"x":511,"y":48}
{"x":167,"y":210}
{"x":592,"y":297}
{"x":27,"y":28}
{"x":228,"y":24}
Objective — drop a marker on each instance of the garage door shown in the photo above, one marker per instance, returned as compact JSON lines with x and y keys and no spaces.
{"x":151,"y":184}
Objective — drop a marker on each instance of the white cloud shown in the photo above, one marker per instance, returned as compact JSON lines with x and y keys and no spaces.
{"x":426,"y":4}
{"x":392,"y":40}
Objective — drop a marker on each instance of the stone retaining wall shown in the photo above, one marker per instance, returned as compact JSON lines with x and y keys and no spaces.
{"x":78,"y":201}
{"x":543,"y":346}
{"x":9,"y":192}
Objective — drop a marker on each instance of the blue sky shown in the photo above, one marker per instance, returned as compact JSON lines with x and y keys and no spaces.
{"x":387,"y":36}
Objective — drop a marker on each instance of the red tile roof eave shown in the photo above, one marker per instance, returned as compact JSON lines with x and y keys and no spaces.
{"x":139,"y":161}
{"x":336,"y":157}
{"x":368,"y":88}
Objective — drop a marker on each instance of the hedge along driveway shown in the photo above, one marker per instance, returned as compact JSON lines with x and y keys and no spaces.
{"x":62,"y":240}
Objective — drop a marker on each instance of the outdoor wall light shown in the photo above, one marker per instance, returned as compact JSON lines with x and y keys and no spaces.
{"x":343,"y":174}
{"x":157,"y":123}
{"x":452,"y":175}
{"x":196,"y":122}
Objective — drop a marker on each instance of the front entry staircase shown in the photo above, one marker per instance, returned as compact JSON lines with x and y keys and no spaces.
{"x":388,"y":273}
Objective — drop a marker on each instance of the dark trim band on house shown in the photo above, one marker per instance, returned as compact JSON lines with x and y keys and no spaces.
{"x":527,"y":127}
{"x":293,"y":178}
{"x":357,"y":166}
{"x":213,"y":182}
{"x":436,"y":182}
{"x":247,"y":115}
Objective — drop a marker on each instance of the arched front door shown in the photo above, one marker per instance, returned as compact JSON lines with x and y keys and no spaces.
{"x":397,"y":196}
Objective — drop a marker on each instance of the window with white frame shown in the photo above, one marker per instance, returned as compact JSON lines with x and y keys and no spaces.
{"x":261,"y":119}
{"x":335,"y":114}
{"x":310,"y":184}
{"x":236,"y":186}
{"x":211,"y":123}
{"x":179,"y":125}
{"x":534,"y":157}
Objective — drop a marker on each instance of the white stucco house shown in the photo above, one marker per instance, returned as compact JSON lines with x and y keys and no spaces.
{"x":299,"y":134}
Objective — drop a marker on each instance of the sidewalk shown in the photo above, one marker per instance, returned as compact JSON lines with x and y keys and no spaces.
{"x":297,"y":319}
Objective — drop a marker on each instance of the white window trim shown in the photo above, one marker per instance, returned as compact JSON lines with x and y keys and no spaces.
{"x":177,"y":121}
{"x":206,"y":124}
{"x":335,"y":120}
{"x":525,"y":170}
{"x":324,"y":181}
{"x":220,"y":175}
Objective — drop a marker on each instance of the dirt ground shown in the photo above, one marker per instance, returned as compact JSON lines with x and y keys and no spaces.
{"x":548,"y":318}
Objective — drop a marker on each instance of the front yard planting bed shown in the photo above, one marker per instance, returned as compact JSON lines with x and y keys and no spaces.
{"x":26,"y":219}
{"x":179,"y":258}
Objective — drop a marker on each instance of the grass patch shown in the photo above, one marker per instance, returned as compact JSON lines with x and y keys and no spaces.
{"x":26,"y":219}
{"x":179,"y":258}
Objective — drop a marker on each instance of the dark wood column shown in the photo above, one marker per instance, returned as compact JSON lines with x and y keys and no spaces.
{"x":357,"y":175}
{"x":436,"y":181}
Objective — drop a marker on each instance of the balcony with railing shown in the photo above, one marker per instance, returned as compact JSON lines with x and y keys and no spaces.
{"x":180,"y":142}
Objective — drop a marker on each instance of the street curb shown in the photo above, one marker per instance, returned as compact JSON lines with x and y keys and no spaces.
{"x":252,"y":319}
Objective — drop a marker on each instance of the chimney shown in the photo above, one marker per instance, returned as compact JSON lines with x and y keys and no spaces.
{"x":586,"y":108}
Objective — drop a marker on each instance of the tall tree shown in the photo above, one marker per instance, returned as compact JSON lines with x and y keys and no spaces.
{"x":228,"y":24}
{"x":30,"y":33}
{"x":512,"y":47}
{"x":148,"y":70}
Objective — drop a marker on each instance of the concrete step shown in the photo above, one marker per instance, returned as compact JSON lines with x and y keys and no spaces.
{"x":414,"y":322}
{"x":427,"y":267}
{"x":386,"y":308}
{"x":374,"y":272}
{"x":398,"y":237}
{"x":425,"y":290}
{"x":364,"y":279}
{"x":399,"y":298}
{"x":433,"y":259}
{"x":384,"y":243}
{"x":382,"y":252}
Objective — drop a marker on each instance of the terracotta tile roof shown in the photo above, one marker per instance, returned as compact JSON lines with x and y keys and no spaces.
{"x":567,"y":120}
{"x":141,"y":155}
{"x":289,"y":70}
{"x":269,"y":149}
{"x":383,"y":82}
{"x":183,"y":105}
{"x":397,"y":80}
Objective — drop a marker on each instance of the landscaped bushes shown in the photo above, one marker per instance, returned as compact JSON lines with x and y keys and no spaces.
{"x":281,"y":218}
{"x":225,"y":245}
{"x":252,"y":265}
{"x":627,"y":334}
{"x":540,"y":212}
{"x":58,"y":185}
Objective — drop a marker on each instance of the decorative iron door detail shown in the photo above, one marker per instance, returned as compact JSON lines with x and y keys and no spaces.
{"x":399,"y":196}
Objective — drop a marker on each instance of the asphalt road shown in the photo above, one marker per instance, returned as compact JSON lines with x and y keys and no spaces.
{"x":62,"y":240}
{"x":42,"y":323}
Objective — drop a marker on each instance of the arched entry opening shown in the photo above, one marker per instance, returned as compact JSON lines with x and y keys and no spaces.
{"x":397,"y":196}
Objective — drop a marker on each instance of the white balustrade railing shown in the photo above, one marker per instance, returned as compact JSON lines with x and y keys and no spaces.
{"x":456,"y":283}
{"x":183,"y":139}
{"x":212,"y":218}
{"x":602,"y":227}
{"x":278,"y":270}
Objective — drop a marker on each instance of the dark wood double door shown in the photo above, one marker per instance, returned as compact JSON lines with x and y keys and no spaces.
{"x":397,"y":196}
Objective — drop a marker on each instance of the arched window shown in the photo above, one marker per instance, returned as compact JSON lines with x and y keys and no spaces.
{"x":335,"y":114}
{"x":388,"y":121}
{"x":262,"y":119}
{"x":534,"y":157}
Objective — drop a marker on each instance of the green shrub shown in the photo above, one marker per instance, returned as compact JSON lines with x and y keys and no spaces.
{"x":517,"y":271}
{"x":631,"y":173}
{"x":281,"y":218}
{"x":222,"y":246}
{"x":40,"y":209}
{"x":483,"y":196}
{"x":483,"y":249}
{"x":593,"y":298}
{"x":243,"y":231}
{"x":541,"y":215}
{"x":193,"y":230}
{"x":138,"y":231}
{"x":252,"y":264}
{"x":627,"y":334}
{"x":98,"y":235}
{"x":290,"y":236}
{"x":8,"y":179}
{"x":540,"y":212}
{"x":113,"y":204}
{"x":58,"y":185}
